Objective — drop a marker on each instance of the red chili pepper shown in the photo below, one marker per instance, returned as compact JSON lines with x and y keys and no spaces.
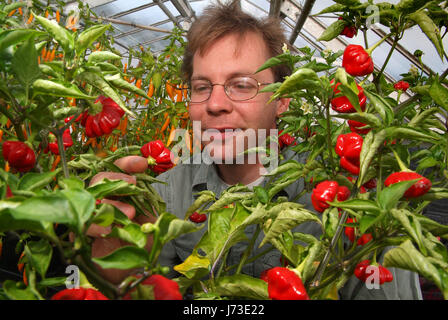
{"x":357,"y":61}
{"x":348,"y":147}
{"x":79,"y":294}
{"x":67,"y":141}
{"x":401,"y":85}
{"x":284,"y":284}
{"x":342,"y":104}
{"x":361,"y":272}
{"x":350,"y":233}
{"x":103,"y":122}
{"x":285,"y":139}
{"x":163,"y":288}
{"x":198,"y":217}
{"x":356,"y":125}
{"x":19,"y":155}
{"x":371,"y":184}
{"x":418,"y":189}
{"x":159,"y":157}
{"x":328,"y":191}
{"x":349,"y":30}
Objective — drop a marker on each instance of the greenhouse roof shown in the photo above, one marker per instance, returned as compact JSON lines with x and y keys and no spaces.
{"x":147,"y":23}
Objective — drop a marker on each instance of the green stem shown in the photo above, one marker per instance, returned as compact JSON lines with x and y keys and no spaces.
{"x":248,"y":250}
{"x":59,"y":133}
{"x":330,"y":148}
{"x":378,"y":76}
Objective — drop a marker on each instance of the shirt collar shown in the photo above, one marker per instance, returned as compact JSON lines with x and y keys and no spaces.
{"x":206,"y":178}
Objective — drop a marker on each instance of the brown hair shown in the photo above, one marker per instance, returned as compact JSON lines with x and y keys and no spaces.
{"x":220,"y":20}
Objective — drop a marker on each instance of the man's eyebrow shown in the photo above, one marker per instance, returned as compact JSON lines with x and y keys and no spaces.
{"x":232,"y":75}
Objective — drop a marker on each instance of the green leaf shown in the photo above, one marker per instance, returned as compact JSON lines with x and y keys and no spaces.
{"x":407,"y":257}
{"x":88,"y":36}
{"x":286,"y":220}
{"x":389,"y":196}
{"x":50,"y":208}
{"x":120,"y":83}
{"x":332,"y":31}
{"x":33,"y":181}
{"x":357,"y":205}
{"x":194,"y":267}
{"x":12,"y":37}
{"x":411,"y":225}
{"x":130,"y":233}
{"x":100,"y":56}
{"x":242,"y":286}
{"x":303,"y":78}
{"x":369,"y":149}
{"x":15,"y":291}
{"x":39,"y":255}
{"x":178,"y":227}
{"x":127,"y":257}
{"x":82,"y":205}
{"x":224,"y":230}
{"x":439,"y":93}
{"x":429,"y":29}
{"x":24,"y":63}
{"x":8,"y":222}
{"x":101,"y":84}
{"x":60,"y":34}
{"x":363,"y":117}
{"x":59,"y":89}
{"x":381,"y":106}
{"x":71,"y":183}
{"x":105,"y":215}
{"x":109,"y":188}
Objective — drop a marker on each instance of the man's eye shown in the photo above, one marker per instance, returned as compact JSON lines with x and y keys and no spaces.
{"x":201,"y":88}
{"x":242,"y":85}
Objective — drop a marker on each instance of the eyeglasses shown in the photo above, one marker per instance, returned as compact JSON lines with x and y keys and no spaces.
{"x":237,"y":89}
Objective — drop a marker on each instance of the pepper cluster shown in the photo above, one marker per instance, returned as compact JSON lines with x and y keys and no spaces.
{"x":159,"y":157}
{"x":19,"y":155}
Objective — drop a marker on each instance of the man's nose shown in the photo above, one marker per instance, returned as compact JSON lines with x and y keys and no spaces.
{"x":219,"y":102}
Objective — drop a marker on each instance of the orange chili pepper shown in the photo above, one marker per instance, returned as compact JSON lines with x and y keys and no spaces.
{"x":8,"y":124}
{"x":25,"y":279}
{"x":30,"y":18}
{"x":169,"y":90}
{"x":58,"y":16}
{"x":56,"y":162}
{"x":125,"y":124}
{"x":165,"y":124}
{"x":47,"y":57}
{"x":52,"y":55}
{"x":7,"y":167}
{"x":38,"y":59}
{"x":46,"y":13}
{"x":179,"y":95}
{"x":20,"y":265}
{"x":171,"y":136}
{"x":12,"y":12}
{"x":20,"y":11}
{"x":43,"y":52}
{"x":1,"y":135}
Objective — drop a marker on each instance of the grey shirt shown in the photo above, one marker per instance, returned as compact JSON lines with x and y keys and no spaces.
{"x":185,"y":180}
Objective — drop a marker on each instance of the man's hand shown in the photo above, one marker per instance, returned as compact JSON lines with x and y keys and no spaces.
{"x":103,"y":246}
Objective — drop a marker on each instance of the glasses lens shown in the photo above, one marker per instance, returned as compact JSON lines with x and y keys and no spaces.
{"x":241,"y":88}
{"x":200,"y":90}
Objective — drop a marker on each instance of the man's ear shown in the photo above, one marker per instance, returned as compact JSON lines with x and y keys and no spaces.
{"x":282,"y":105}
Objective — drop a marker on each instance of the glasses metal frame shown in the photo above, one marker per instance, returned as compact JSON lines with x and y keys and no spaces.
{"x":225,"y":88}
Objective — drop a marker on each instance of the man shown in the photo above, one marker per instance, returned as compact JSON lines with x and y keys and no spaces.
{"x":225,"y":48}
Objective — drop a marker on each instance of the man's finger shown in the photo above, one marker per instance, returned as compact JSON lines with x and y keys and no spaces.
{"x":113,"y":176}
{"x":132,"y":164}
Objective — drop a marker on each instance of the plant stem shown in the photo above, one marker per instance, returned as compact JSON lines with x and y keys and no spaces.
{"x":378,"y":76}
{"x":323,"y":264}
{"x":248,"y":250}
{"x":330,"y":149}
{"x":59,"y":133}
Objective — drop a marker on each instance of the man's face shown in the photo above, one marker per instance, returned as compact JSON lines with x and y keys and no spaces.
{"x":222,"y":61}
